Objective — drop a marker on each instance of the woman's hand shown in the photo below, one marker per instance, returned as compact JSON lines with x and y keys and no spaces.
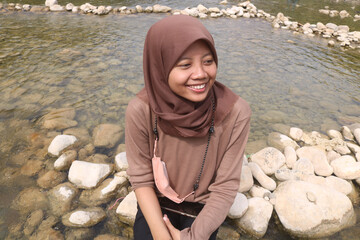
{"x":175,"y":233}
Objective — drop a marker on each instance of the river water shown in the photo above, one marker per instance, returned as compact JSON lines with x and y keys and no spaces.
{"x":94,"y":64}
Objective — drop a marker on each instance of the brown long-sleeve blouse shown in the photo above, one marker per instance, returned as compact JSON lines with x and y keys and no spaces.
{"x":183,"y":157}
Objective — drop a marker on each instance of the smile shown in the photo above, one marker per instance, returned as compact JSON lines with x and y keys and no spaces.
{"x":197,"y":87}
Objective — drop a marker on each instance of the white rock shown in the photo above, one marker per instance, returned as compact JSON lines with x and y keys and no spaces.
{"x":26,"y":7}
{"x":57,"y":8}
{"x":246,"y":180}
{"x":65,"y":160}
{"x":239,"y":206}
{"x":339,"y":184}
{"x":332,"y":26}
{"x":296,"y":133}
{"x":261,"y":177}
{"x":290,"y":156}
{"x":127,"y":209}
{"x":69,"y":7}
{"x":161,"y":9}
{"x":88,"y":175}
{"x":280,"y":141}
{"x":317,"y":158}
{"x":214,"y":10}
{"x":304,"y":165}
{"x":357,"y":135}
{"x":334,"y":13}
{"x":309,"y":210}
{"x":202,"y":9}
{"x":269,"y":159}
{"x":49,"y":3}
{"x":324,"y":11}
{"x":344,"y":14}
{"x":60,"y":142}
{"x":257,"y":191}
{"x":346,"y":132}
{"x":256,"y":219}
{"x":224,"y":2}
{"x":320,"y":26}
{"x":331,"y":43}
{"x":246,"y":15}
{"x":75,"y":9}
{"x":139,"y":9}
{"x":346,"y":167}
{"x":202,"y":15}
{"x":332,"y":155}
{"x":121,"y":163}
{"x":334,"y":134}
{"x":84,"y":217}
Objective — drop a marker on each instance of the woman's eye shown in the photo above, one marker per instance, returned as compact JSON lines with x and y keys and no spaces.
{"x":185,"y":65}
{"x":209,"y":61}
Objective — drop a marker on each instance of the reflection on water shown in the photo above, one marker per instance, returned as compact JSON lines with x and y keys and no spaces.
{"x":94,"y":64}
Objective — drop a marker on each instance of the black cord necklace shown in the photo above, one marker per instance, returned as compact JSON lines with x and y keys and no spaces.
{"x":211,"y":131}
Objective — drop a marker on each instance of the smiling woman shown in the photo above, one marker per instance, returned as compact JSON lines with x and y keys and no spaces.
{"x":185,"y":135}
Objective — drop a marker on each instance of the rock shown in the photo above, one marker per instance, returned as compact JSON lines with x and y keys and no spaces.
{"x":239,"y":206}
{"x":309,"y":210}
{"x":51,"y":179}
{"x":346,"y":132}
{"x":80,"y":133}
{"x":304,"y":165}
{"x":332,"y":155}
{"x":88,"y":175}
{"x":246,"y":180}
{"x":353,"y":147}
{"x":57,"y":8}
{"x":104,"y":193}
{"x":139,"y":9}
{"x":227,"y":233}
{"x":288,"y":174}
{"x":107,"y":135}
{"x":334,"y":134}
{"x":261,"y":177}
{"x":324,"y":11}
{"x":202,"y":9}
{"x":46,"y":234}
{"x":61,"y":142}
{"x":26,"y":7}
{"x":332,"y":26}
{"x":334,"y":13}
{"x":255,"y":146}
{"x":148,"y":9}
{"x":50,"y":3}
{"x":101,"y":10}
{"x":290,"y":156}
{"x":224,"y":2}
{"x":86,"y":217}
{"x":31,"y":167}
{"x":357,"y":135}
{"x":61,"y":198}
{"x":269,"y":159}
{"x":29,"y":200}
{"x":69,"y":7}
{"x":342,"y":148}
{"x":344,"y":14}
{"x":80,"y":233}
{"x":161,"y":9}
{"x":280,"y":141}
{"x":33,"y":221}
{"x":214,"y":10}
{"x":338,"y":184}
{"x":296,"y":133}
{"x":127,"y":209}
{"x":109,"y":237}
{"x":257,"y":191}
{"x":320,"y":26}
{"x":121,"y":163}
{"x":317,"y":158}
{"x":256,"y":219}
{"x":346,"y":167}
{"x":97,"y":158}
{"x":65,"y":160}
{"x":331,"y":43}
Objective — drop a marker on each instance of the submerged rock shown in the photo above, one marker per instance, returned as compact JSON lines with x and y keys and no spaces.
{"x":61,"y":198}
{"x":107,"y":135}
{"x":29,"y":200}
{"x":311,"y":210}
{"x":86,"y":217}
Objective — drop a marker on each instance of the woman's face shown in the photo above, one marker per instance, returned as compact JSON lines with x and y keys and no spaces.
{"x":194,"y":74}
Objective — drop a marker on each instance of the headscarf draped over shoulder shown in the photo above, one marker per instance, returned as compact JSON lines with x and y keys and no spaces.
{"x":165,"y":42}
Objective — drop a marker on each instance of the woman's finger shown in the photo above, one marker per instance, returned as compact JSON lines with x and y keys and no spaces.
{"x":174,"y":232}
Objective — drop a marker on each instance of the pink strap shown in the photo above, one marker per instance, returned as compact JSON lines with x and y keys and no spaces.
{"x":155,"y":145}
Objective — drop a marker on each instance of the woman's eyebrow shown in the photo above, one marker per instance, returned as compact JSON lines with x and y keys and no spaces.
{"x":187,"y":58}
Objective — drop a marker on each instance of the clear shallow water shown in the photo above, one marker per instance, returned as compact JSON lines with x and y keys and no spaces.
{"x":94,"y":64}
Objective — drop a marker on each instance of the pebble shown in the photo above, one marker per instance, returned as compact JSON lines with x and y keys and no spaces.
{"x":317,"y":158}
{"x":61,"y":198}
{"x":261,"y":177}
{"x":61,"y":142}
{"x":296,"y":133}
{"x":239,"y":206}
{"x":269,"y":159}
{"x":65,"y":160}
{"x":86,"y":217}
{"x":346,"y":167}
{"x":257,"y":191}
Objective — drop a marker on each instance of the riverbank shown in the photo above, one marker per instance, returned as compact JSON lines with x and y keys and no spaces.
{"x":80,"y":173}
{"x":336,"y":35}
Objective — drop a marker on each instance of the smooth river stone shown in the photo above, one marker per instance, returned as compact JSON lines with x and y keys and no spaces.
{"x":257,"y":191}
{"x":61,"y":198}
{"x":127,"y":209}
{"x":107,"y":135}
{"x":296,"y":133}
{"x":334,"y":134}
{"x":339,"y":184}
{"x":86,"y":217}
{"x":239,"y":206}
{"x":246,"y":179}
{"x":357,"y":135}
{"x":346,"y":167}
{"x":269,"y":159}
{"x":281,"y":141}
{"x":121,"y":163}
{"x":346,"y":132}
{"x":256,"y":219}
{"x":61,"y":142}
{"x":290,"y":156}
{"x":88,"y":175}
{"x":304,"y":165}
{"x":318,"y":159}
{"x":353,"y":147}
{"x":261,"y":177}
{"x":332,"y":155}
{"x":309,"y":210}
{"x":65,"y":160}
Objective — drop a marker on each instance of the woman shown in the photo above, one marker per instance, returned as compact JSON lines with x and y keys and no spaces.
{"x":200,"y":128}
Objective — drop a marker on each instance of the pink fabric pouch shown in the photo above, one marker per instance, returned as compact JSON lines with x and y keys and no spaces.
{"x":162,"y":179}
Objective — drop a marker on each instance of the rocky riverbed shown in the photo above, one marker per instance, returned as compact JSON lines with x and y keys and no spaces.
{"x":337,"y":35}
{"x":305,"y":182}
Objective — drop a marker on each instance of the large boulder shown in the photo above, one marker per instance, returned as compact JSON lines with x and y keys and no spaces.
{"x":309,"y":210}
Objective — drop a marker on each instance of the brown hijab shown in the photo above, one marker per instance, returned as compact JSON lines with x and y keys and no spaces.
{"x":164,"y":44}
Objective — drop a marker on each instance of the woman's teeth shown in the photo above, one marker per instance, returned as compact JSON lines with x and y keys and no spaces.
{"x":198,"y":86}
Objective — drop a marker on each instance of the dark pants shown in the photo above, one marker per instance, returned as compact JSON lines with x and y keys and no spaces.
{"x":142,"y":230}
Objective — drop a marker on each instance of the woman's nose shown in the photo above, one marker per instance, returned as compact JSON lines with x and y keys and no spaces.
{"x":199,"y":72}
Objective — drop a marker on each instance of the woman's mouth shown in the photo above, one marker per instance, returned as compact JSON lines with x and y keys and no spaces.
{"x":198,"y":88}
